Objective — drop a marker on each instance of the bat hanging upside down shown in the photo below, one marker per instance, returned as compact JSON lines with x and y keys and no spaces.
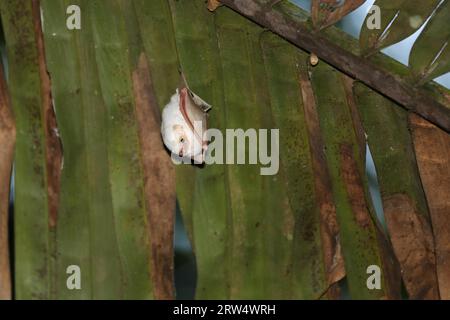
{"x":184,"y":124}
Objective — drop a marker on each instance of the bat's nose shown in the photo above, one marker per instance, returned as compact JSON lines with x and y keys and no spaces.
{"x":180,"y":154}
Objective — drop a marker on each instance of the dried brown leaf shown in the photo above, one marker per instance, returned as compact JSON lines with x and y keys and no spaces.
{"x":412,"y":240}
{"x":432,"y":146}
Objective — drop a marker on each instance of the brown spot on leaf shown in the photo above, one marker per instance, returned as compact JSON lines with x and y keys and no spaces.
{"x":159,"y":181}
{"x":354,"y":185}
{"x":53,"y":147}
{"x":329,"y":228}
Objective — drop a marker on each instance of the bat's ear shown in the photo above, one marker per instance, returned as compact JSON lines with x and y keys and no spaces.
{"x":204,"y":106}
{"x":199,"y":102}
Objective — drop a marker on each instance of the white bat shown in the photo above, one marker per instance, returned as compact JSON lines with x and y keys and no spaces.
{"x":184,"y":124}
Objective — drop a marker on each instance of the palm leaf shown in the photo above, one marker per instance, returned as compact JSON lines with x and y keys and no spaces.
{"x":405,"y":207}
{"x":399,"y":19}
{"x":362,"y":243}
{"x":430,"y":56}
{"x":33,"y":265}
{"x":202,"y":192}
{"x":305,"y":197}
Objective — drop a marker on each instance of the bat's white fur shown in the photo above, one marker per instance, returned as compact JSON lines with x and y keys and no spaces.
{"x":176,"y":133}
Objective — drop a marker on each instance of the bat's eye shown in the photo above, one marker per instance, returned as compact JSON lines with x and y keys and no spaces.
{"x":182,"y":140}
